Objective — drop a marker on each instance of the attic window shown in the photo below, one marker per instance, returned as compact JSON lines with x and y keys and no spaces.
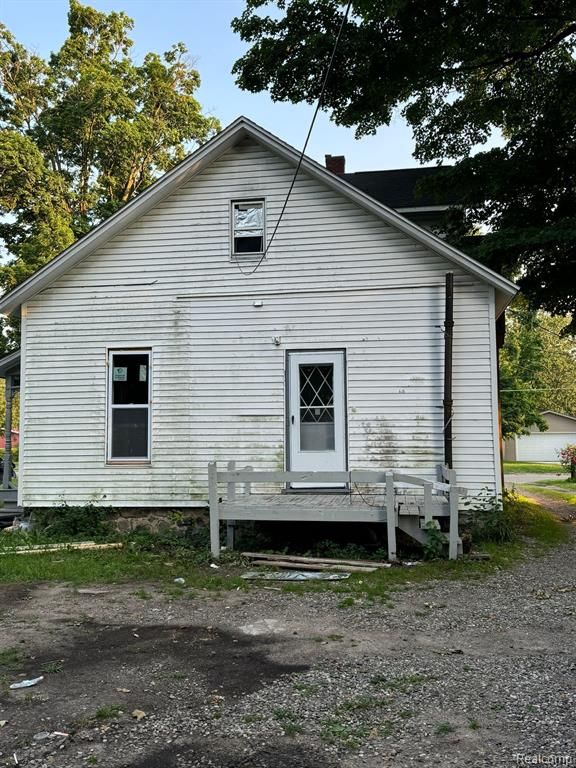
{"x":247,"y":227}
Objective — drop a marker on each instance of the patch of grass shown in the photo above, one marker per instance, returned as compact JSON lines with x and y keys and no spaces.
{"x":289,"y":721}
{"x":541,"y":526}
{"x":52,"y":667}
{"x":567,"y":485}
{"x":473,"y":724}
{"x":402,"y":684}
{"x":142,"y":594}
{"x":406,"y":713}
{"x":361,"y":703}
{"x":11,"y":660}
{"x":248,"y":719}
{"x":131,"y":563}
{"x":569,"y":496}
{"x":520,"y":467}
{"x":306,"y":688}
{"x":444,"y":728}
{"x":347,"y":602}
{"x":343,"y":734}
{"x":108,"y":712}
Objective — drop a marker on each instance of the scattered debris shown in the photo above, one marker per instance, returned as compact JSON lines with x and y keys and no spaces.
{"x":27,"y":683}
{"x":43,"y":735}
{"x":138,"y":714}
{"x":3,"y":723}
{"x":93,"y":591}
{"x":293,"y":576}
{"x":179,"y":580}
{"x":123,"y":690}
{"x":541,"y":594}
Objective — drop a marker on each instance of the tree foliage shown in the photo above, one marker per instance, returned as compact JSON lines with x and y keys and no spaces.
{"x":537,"y":370}
{"x":84,"y":132}
{"x":461,"y":73}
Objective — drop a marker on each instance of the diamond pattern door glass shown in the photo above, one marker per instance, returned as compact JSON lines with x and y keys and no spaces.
{"x":317,"y":407}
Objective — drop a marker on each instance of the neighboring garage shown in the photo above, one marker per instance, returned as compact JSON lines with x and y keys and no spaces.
{"x":543,"y":446}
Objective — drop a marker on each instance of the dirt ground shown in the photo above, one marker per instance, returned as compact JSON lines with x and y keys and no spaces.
{"x":469,"y":673}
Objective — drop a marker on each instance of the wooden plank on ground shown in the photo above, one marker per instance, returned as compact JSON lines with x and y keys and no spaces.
{"x":313,"y":566}
{"x":327,"y":560}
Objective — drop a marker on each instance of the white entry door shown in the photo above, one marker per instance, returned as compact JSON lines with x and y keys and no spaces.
{"x":316,"y":411}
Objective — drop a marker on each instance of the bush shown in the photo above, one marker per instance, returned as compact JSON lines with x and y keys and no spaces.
{"x":67,"y":521}
{"x":491,"y":518}
{"x":567,"y":458}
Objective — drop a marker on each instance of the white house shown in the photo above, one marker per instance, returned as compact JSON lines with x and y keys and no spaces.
{"x":543,"y":446}
{"x":167,"y":338}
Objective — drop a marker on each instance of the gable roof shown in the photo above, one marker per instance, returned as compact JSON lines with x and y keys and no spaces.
{"x":561,"y":415}
{"x":398,"y":188}
{"x":195,"y":163}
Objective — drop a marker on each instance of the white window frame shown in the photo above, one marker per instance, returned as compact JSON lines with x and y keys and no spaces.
{"x":247,"y":254}
{"x":111,"y":407}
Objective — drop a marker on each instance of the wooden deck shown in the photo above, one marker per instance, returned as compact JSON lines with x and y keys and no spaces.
{"x":389,"y":501}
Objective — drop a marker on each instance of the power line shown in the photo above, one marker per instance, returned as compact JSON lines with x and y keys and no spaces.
{"x":301,"y":158}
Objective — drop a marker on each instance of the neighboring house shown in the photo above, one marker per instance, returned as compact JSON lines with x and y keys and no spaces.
{"x":167,"y":338}
{"x":399,"y":189}
{"x":15,"y":439}
{"x":543,"y":446}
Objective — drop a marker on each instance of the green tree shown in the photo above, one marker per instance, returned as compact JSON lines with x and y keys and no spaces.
{"x":461,"y":72}
{"x":521,"y":364}
{"x":84,"y":132}
{"x":537,"y":369}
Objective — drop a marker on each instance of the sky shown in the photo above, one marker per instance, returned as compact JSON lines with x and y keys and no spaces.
{"x":204,"y":26}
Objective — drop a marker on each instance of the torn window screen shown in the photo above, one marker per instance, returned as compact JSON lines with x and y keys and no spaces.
{"x":248,"y":226}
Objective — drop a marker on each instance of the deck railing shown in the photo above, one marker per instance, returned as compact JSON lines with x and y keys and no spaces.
{"x":247,"y":507}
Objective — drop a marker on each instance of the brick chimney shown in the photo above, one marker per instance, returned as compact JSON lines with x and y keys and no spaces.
{"x":335,"y":163}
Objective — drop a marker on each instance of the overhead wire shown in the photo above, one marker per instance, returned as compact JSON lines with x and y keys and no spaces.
{"x":303,"y":152}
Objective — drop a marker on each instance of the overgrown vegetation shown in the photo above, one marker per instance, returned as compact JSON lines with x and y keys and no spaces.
{"x":157,"y":559}
{"x":69,"y":522}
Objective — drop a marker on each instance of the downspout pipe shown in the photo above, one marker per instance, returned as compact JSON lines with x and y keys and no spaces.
{"x":448,"y":346}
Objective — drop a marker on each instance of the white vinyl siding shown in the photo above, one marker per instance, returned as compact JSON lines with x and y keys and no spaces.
{"x":336,"y":277}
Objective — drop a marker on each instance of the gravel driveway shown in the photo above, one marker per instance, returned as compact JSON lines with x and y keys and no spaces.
{"x":470,"y":673}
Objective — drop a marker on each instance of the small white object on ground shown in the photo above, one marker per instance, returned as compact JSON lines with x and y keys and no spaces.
{"x":3,"y":723}
{"x":138,"y":714}
{"x":213,"y":565}
{"x":179,"y":580}
{"x":27,"y":683}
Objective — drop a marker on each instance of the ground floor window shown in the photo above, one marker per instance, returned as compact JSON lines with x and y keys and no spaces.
{"x":129,"y":405}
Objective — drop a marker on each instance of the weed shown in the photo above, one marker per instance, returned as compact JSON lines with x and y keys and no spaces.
{"x":307,"y":688}
{"x":473,"y":724}
{"x":142,"y":594}
{"x":347,"y":602}
{"x":435,"y":545}
{"x":362,"y":703}
{"x":73,"y":521}
{"x":335,"y":638}
{"x":444,"y":728}
{"x":108,"y":712}
{"x":406,"y":713}
{"x":292,"y":729}
{"x":11,"y":660}
{"x":53,"y":667}
{"x":284,"y":714}
{"x":401,"y":684}
{"x":346,"y":734}
{"x":252,"y":719}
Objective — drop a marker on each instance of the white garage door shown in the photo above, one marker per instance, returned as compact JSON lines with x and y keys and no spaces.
{"x":543,"y":446}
